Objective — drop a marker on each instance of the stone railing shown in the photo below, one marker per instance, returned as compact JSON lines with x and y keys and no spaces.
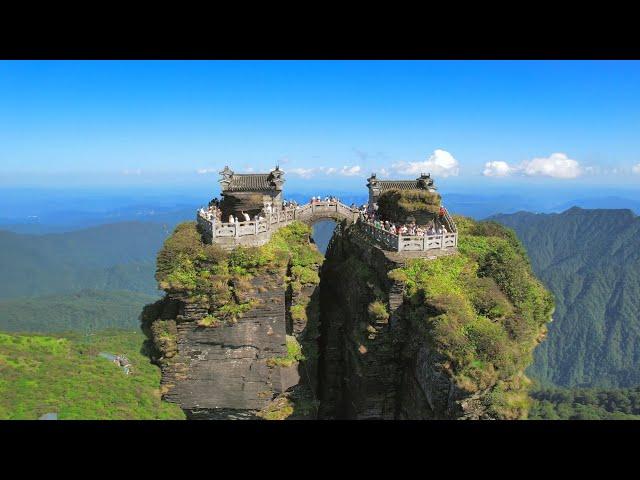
{"x":381,"y":236}
{"x":217,"y":232}
{"x":409,"y":243}
{"x":448,"y":222}
{"x":215,"y":229}
{"x":333,"y":209}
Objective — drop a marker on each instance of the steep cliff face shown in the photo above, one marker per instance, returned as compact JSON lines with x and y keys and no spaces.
{"x":235,"y":335}
{"x":446,"y":336}
{"x":263,"y":333}
{"x":376,"y":367}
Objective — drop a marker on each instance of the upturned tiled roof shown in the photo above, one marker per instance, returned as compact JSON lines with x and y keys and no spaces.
{"x":385,"y":185}
{"x":250,"y":182}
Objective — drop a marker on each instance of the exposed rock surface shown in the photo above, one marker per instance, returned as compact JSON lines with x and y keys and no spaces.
{"x":223,"y":372}
{"x":351,"y":347}
{"x":372,"y":369}
{"x":241,"y":369}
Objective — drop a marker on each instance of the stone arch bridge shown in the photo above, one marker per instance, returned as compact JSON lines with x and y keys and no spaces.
{"x":311,"y":213}
{"x":263,"y":193}
{"x":258,"y":232}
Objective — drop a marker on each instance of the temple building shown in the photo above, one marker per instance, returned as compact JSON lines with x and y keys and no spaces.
{"x":378,"y":187}
{"x":250,"y":192}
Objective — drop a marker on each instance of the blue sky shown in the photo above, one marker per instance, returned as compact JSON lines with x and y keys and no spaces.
{"x":505,"y":123}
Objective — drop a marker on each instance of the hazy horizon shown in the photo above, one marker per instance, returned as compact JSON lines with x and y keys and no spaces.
{"x":94,"y":141}
{"x":162,"y":123}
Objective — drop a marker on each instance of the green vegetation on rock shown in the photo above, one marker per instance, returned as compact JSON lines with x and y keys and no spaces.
{"x":221,"y":280}
{"x":224,"y":285}
{"x":280,"y":408}
{"x":294,"y":354}
{"x":63,"y":374}
{"x":397,"y":205}
{"x":483,"y":310}
{"x":378,"y":311}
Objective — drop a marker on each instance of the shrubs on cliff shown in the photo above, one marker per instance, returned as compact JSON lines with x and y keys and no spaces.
{"x":378,"y":312}
{"x":164,"y":334}
{"x":304,"y":259}
{"x":397,"y":205}
{"x":483,"y":310}
{"x":185,"y":264}
{"x":206,"y":274}
{"x":294,"y":354}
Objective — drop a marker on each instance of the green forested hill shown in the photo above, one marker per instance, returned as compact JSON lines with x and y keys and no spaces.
{"x":590,"y":259}
{"x":118,"y":256}
{"x":85,"y":311}
{"x":585,"y":404}
{"x":63,"y":374}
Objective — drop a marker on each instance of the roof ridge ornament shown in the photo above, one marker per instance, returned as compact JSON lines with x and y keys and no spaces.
{"x":276,"y":178}
{"x":425,"y":182}
{"x":226,"y":172}
{"x":227,"y":176}
{"x":372,"y":180}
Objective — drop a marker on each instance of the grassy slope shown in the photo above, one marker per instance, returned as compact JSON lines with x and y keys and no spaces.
{"x":61,"y":373}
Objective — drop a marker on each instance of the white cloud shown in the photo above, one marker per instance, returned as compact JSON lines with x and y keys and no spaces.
{"x":350,"y":171}
{"x":137,"y":171}
{"x":636,"y":169}
{"x":303,"y":172}
{"x":556,"y":165}
{"x":346,"y":171}
{"x":204,"y":171}
{"x":440,"y":163}
{"x":497,"y":169}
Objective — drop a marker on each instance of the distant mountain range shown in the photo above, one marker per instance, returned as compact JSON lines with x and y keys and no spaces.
{"x":43,"y":211}
{"x":71,"y":220}
{"x":609,"y":202}
{"x":118,"y":256}
{"x":85,"y":311}
{"x":590,"y":259}
{"x":101,"y":276}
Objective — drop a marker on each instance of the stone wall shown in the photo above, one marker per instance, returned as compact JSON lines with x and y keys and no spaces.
{"x":250,"y":202}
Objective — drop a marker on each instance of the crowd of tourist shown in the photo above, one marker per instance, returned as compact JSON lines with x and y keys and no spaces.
{"x":211,"y":213}
{"x":435,"y":227}
{"x":410,"y":229}
{"x":368,"y":215}
{"x":214,"y":213}
{"x":327,"y":199}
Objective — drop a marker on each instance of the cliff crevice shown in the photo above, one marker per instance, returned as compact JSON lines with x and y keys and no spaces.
{"x":278,"y":331}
